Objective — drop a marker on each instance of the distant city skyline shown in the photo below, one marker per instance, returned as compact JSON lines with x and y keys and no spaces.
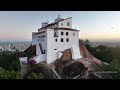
{"x":93,"y":25}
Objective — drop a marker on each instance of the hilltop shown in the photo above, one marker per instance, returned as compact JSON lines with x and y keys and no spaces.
{"x":87,"y":67}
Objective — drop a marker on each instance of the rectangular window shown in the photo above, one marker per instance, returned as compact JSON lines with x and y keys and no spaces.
{"x":61,"y":39}
{"x":68,"y":24}
{"x":67,"y":33}
{"x":62,"y":24}
{"x":55,"y":40}
{"x":67,"y":39}
{"x":61,"y":33}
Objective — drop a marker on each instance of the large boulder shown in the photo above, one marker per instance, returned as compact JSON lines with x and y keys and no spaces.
{"x":86,"y":67}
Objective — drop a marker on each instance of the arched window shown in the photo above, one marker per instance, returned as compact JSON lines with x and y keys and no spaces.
{"x":55,"y":40}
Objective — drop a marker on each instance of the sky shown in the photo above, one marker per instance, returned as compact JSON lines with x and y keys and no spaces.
{"x":93,"y":25}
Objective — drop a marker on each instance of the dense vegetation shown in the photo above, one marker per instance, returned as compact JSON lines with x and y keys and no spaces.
{"x":110,"y":55}
{"x":9,"y":61}
{"x":10,"y":66}
{"x":7,"y":74}
{"x":35,"y":76}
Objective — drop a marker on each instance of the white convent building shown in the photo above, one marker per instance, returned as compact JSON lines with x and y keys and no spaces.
{"x":53,"y":38}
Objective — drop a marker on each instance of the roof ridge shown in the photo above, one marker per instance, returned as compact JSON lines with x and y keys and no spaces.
{"x":55,"y":22}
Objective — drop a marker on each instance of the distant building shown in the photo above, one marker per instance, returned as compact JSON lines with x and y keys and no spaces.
{"x":1,"y":48}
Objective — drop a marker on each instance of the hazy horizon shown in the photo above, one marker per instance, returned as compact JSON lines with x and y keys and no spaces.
{"x":93,"y":25}
{"x":81,"y":38}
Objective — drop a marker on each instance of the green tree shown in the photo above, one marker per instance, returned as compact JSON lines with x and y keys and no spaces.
{"x":9,"y":60}
{"x":6,"y":74}
{"x":103,"y":53}
{"x":113,"y":68}
{"x":88,"y":46}
{"x":35,"y":76}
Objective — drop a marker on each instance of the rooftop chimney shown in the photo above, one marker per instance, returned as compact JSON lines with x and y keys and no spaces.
{"x":44,"y":24}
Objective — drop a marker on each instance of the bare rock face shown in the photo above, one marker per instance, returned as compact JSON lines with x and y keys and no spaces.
{"x":87,"y":67}
{"x":79,"y":69}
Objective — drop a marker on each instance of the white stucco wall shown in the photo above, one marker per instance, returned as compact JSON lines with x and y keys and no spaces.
{"x":54,"y":47}
{"x":50,"y":45}
{"x":65,"y":23}
{"x":34,"y":40}
{"x":73,"y":40}
{"x":39,"y":39}
{"x":38,"y":52}
{"x":39,"y":58}
{"x":44,"y":42}
{"x":59,"y":55}
{"x":75,"y":52}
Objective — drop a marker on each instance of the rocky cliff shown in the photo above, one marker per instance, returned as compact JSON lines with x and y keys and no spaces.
{"x":87,"y":67}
